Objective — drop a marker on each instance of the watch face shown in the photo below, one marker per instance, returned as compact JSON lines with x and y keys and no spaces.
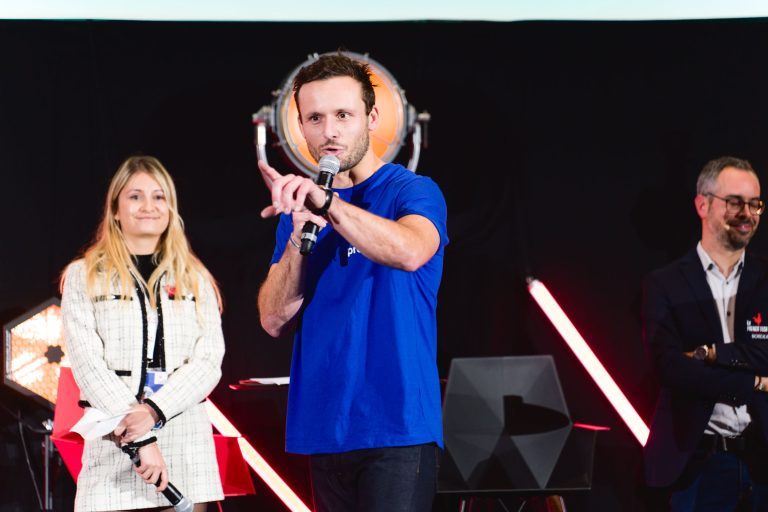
{"x":700,"y":353}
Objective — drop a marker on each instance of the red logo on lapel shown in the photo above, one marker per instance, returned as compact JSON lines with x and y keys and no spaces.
{"x":758,"y":318}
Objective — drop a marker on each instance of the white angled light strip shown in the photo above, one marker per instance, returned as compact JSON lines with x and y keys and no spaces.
{"x":591,"y":363}
{"x":256,"y":461}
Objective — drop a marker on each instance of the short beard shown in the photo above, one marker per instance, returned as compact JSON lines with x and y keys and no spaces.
{"x":358,"y":151}
{"x":734,"y":241}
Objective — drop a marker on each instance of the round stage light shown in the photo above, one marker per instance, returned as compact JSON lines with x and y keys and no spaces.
{"x":397,"y":120}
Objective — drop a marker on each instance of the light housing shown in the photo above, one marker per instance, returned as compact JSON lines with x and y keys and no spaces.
{"x":397,"y":120}
{"x":34,"y":352}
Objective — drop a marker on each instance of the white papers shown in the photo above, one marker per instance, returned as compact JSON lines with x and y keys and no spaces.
{"x":95,"y":423}
{"x":274,"y":381}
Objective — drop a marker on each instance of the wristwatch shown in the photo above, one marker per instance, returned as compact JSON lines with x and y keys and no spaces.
{"x":701,"y":353}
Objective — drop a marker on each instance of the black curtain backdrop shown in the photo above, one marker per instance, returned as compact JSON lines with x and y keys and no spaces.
{"x":567,"y":151}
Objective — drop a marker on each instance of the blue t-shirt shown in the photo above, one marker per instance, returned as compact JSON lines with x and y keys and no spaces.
{"x":364,"y":372}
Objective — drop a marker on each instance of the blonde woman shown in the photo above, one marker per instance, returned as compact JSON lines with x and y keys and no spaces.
{"x":143,"y":331}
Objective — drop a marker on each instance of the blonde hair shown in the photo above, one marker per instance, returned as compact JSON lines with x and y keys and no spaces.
{"x":108,"y":258}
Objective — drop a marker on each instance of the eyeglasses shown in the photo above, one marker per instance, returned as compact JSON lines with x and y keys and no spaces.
{"x":735,"y":204}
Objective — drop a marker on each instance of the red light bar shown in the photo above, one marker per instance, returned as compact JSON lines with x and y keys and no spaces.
{"x":256,"y":461}
{"x":596,"y":428}
{"x":591,"y":363}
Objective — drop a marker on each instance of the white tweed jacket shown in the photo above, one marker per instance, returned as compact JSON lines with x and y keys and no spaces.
{"x":105,"y":344}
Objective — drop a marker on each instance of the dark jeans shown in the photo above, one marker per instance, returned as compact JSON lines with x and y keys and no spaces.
{"x":726,"y":482}
{"x":397,"y":479}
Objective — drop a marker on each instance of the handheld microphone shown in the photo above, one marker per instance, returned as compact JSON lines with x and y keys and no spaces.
{"x":328,"y":166}
{"x":171,"y":493}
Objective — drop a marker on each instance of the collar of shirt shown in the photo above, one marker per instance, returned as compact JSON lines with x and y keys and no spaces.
{"x":710,"y":266}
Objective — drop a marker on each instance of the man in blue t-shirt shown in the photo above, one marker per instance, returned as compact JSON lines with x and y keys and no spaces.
{"x":364,"y":398}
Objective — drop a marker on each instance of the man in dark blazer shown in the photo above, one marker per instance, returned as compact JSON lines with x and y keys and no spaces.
{"x":703,"y":319}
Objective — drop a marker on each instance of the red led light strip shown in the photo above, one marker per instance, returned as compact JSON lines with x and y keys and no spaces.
{"x":591,"y":363}
{"x":256,"y":461}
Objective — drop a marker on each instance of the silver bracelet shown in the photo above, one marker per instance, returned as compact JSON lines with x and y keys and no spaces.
{"x":293,"y":242}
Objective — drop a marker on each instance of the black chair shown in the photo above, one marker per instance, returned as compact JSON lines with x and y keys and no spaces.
{"x":508,"y":432}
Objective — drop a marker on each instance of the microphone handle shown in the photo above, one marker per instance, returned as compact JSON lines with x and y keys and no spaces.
{"x":310,"y":229}
{"x":324,"y":179}
{"x":308,"y":238}
{"x":171,"y":493}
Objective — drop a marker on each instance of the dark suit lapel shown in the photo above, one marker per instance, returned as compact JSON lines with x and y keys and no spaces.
{"x":696,"y":277}
{"x":748,"y":284}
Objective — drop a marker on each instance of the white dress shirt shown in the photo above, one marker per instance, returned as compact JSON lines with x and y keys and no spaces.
{"x":727,"y":420}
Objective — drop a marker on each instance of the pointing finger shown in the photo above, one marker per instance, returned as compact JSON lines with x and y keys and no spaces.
{"x":268,"y":173}
{"x":269,"y":211}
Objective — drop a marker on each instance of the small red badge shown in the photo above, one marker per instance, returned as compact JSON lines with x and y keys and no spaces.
{"x":171,"y":291}
{"x":758,"y":318}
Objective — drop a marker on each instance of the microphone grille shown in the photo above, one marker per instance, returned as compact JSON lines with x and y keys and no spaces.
{"x":329,"y":163}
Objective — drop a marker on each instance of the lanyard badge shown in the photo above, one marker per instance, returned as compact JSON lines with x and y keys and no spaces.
{"x":155,"y":380}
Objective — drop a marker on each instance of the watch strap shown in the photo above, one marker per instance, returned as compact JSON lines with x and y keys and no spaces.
{"x":323,"y":210}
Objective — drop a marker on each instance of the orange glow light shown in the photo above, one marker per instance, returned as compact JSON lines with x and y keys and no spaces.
{"x":35,"y":353}
{"x":256,"y":461}
{"x":386,"y":139}
{"x":591,"y":363}
{"x":386,"y":135}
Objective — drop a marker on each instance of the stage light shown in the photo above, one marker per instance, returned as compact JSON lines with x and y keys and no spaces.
{"x":34,"y":352}
{"x":397,"y":119}
{"x":591,"y":363}
{"x":255,"y":460}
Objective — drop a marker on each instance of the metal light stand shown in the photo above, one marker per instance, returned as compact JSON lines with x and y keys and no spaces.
{"x":48,"y":454}
{"x":49,"y":451}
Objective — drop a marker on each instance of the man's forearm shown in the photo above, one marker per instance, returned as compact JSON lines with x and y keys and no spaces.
{"x":406,"y":244}
{"x":282,"y":292}
{"x":751,"y":355}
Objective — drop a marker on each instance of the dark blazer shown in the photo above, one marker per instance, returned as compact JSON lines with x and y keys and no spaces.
{"x":679,"y":314}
